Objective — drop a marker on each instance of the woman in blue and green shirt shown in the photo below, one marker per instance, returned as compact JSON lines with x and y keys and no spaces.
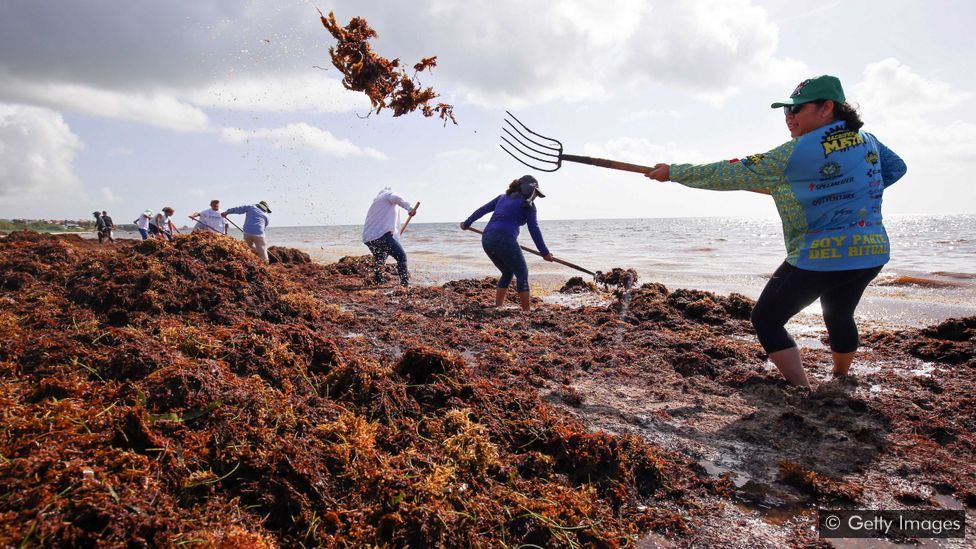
{"x":827,"y":183}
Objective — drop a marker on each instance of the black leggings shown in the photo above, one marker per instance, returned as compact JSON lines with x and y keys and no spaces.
{"x":791,"y":289}
{"x":385,"y":246}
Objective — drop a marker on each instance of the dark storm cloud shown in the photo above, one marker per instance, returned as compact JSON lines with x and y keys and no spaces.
{"x":488,"y":51}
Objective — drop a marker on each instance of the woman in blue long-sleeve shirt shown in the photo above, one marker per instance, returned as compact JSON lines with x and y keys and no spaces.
{"x":827,"y":183}
{"x":500,"y":239}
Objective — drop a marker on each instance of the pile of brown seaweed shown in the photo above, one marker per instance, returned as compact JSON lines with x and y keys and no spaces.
{"x":617,"y":276}
{"x":176,"y":393}
{"x":576,"y":285}
{"x":168,"y":393}
{"x":382,"y":80}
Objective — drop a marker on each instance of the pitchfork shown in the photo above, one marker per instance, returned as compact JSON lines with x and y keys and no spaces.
{"x":548,"y":156}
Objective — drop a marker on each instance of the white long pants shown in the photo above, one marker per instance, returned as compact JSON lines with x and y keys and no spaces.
{"x":258,"y":244}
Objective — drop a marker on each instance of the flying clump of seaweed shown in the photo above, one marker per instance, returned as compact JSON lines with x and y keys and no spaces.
{"x":383,"y":80}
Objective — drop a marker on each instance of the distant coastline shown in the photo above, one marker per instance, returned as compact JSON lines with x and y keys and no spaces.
{"x":56,"y":226}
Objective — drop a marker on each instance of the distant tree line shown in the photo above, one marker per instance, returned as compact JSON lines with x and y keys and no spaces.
{"x":47,"y":225}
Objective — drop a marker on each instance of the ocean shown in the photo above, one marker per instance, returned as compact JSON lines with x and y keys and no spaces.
{"x":931,"y":275}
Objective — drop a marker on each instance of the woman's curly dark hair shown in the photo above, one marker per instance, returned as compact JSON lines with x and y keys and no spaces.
{"x":849,"y":115}
{"x":514,"y":188}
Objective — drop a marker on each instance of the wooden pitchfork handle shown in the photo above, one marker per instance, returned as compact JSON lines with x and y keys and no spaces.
{"x":555,"y":259}
{"x":407,"y":222}
{"x":613,"y":164}
{"x":604,"y":163}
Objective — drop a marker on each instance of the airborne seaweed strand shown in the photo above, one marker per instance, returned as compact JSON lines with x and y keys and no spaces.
{"x":385,"y":83}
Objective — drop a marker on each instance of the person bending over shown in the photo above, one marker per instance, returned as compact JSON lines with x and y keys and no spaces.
{"x":256,"y":220}
{"x":162,"y":226}
{"x":511,"y":210}
{"x":144,"y":223}
{"x":210,"y":220}
{"x":381,"y":234}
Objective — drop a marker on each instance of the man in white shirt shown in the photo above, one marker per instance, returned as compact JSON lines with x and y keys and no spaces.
{"x":381,"y":232}
{"x":210,"y":220}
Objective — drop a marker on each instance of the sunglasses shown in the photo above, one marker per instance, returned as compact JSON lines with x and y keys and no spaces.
{"x":793,"y":109}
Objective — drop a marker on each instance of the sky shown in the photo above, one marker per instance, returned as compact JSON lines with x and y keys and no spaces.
{"x":131,"y":105}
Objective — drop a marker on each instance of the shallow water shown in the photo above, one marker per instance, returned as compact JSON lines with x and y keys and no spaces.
{"x":931,"y":277}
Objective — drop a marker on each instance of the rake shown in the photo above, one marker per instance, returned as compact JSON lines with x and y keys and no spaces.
{"x":555,"y":259}
{"x":546,"y":154}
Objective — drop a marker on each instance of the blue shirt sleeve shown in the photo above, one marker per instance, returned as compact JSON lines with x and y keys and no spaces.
{"x":533,"y":225}
{"x":892,"y":166}
{"x":236,"y":210}
{"x":489,"y":207}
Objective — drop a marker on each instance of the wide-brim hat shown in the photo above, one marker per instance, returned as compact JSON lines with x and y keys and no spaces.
{"x":814,"y":89}
{"x":264,"y":206}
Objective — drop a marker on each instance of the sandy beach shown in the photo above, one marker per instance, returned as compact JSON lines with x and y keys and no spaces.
{"x":159,"y":393}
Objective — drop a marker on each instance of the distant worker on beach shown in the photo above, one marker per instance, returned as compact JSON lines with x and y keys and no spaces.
{"x":162,"y":226}
{"x":514,"y":208}
{"x":381,"y":234}
{"x":210,"y":220}
{"x":99,"y":227}
{"x":109,"y":227}
{"x":255,"y":222}
{"x":143,"y":222}
{"x":827,"y":183}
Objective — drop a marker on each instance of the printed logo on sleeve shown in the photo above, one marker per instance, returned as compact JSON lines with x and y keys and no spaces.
{"x":752,"y":159}
{"x":871,"y":157}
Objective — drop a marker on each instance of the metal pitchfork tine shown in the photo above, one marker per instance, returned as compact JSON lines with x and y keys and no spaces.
{"x":551,"y":153}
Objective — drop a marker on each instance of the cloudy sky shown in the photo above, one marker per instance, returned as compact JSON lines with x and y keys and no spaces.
{"x":128,"y":105}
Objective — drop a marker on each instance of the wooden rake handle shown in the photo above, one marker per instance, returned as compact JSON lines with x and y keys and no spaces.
{"x":197,"y":220}
{"x":236,"y":226}
{"x":407,"y":222}
{"x":555,"y":259}
{"x":604,"y":163}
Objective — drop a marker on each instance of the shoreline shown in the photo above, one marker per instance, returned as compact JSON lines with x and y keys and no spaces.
{"x":894,"y":299}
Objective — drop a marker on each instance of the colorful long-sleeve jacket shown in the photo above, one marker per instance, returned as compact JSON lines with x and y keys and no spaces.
{"x":827,"y":186}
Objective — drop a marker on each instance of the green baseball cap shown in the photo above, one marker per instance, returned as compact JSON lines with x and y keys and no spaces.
{"x":813,"y":89}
